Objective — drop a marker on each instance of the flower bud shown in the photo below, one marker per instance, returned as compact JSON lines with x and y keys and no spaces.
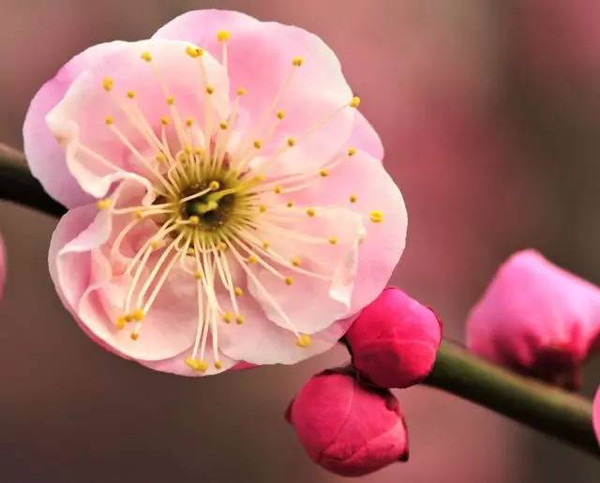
{"x":347,"y":428}
{"x":394,"y":340}
{"x":536,"y":319}
{"x":596,"y":414}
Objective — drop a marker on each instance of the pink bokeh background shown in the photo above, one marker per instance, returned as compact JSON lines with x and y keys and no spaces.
{"x":490,"y":116}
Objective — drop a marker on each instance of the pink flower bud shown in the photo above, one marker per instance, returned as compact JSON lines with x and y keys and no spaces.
{"x":596,"y":414}
{"x":394,"y":340}
{"x":537,"y":319}
{"x":347,"y":428}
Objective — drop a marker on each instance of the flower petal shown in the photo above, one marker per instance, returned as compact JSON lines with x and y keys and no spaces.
{"x":260,"y":341}
{"x":99,"y":154}
{"x":314,"y":97}
{"x":364,"y":180}
{"x":45,"y":156}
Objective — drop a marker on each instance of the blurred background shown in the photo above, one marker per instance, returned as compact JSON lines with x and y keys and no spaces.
{"x":490,"y":116}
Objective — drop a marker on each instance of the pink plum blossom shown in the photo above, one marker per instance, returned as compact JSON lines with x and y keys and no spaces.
{"x":394,"y":340}
{"x":347,"y":428}
{"x":537,"y":319}
{"x":227,"y":200}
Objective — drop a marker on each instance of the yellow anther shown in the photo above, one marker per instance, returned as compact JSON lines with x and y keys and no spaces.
{"x":194,"y":220}
{"x":223,"y":125}
{"x":104,"y":204}
{"x":198,"y":275}
{"x":259,"y":178}
{"x":353,"y":198}
{"x":134,"y":336}
{"x":291,"y":142}
{"x":277,"y":189}
{"x":193,"y":51}
{"x":355,"y":102}
{"x":138,"y":215}
{"x":131,"y":94}
{"x":239,"y":319}
{"x":296,"y":262}
{"x":376,"y":216}
{"x":280,"y":114}
{"x":218,"y":365}
{"x":241,"y":91}
{"x":333,"y":240}
{"x":222,"y":246}
{"x":107,"y":83}
{"x":266,"y":245}
{"x":109,"y":120}
{"x":196,"y":365}
{"x":227,"y":317}
{"x":165,"y":121}
{"x":238,"y":291}
{"x":351,"y":151}
{"x":257,"y":143}
{"x":121,"y":321}
{"x":290,"y":203}
{"x":198,"y":151}
{"x":252,"y":259}
{"x":210,"y":90}
{"x":191,"y":252}
{"x":223,"y":35}
{"x":138,"y":314}
{"x":170,"y":100}
{"x":297,"y":61}
{"x":214,"y":185}
{"x":155,"y":244}
{"x":147,"y":56}
{"x":187,"y":149}
{"x":323,"y":173}
{"x":311,"y":212}
{"x":192,"y":363}
{"x":304,"y":340}
{"x":262,"y":208}
{"x":128,"y":318}
{"x":289,"y":281}
{"x":160,"y":157}
{"x":189,"y":121}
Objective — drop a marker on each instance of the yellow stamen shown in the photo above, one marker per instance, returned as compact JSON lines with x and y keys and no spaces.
{"x":227,"y":317}
{"x":277,"y":189}
{"x":353,"y":198}
{"x":291,"y":142}
{"x":311,"y":212}
{"x":241,"y":91}
{"x":193,"y":51}
{"x":189,"y":121}
{"x":297,"y":61}
{"x":109,"y":120}
{"x":210,"y":90}
{"x":121,"y":321}
{"x":138,"y":314}
{"x":223,"y":35}
{"x":104,"y":204}
{"x":289,"y":281}
{"x":280,"y":114}
{"x":147,"y":56}
{"x":170,"y":100}
{"x":376,"y":216}
{"x":165,"y":121}
{"x":333,"y":240}
{"x":304,"y":340}
{"x":238,"y":291}
{"x":323,"y":173}
{"x":296,"y":262}
{"x":218,"y":365}
{"x":107,"y":83}
{"x":239,"y":319}
{"x":351,"y":151}
{"x":355,"y":102}
{"x":257,"y":143}
{"x":131,"y":94}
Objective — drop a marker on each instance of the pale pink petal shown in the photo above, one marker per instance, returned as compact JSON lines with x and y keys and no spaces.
{"x":259,"y":58}
{"x":365,"y":180}
{"x":365,"y":138}
{"x":260,"y":341}
{"x":87,"y":282}
{"x":176,"y":365}
{"x":96,"y":155}
{"x":311,"y":302}
{"x":45,"y":156}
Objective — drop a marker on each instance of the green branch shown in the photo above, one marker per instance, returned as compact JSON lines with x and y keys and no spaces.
{"x":548,"y":409}
{"x":540,"y":406}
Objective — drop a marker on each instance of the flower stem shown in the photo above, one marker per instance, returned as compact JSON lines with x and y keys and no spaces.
{"x":550,"y":410}
{"x":546,"y":408}
{"x":17,"y":184}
